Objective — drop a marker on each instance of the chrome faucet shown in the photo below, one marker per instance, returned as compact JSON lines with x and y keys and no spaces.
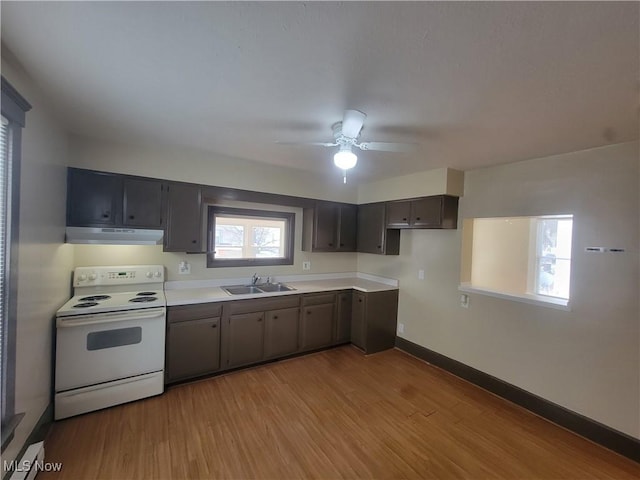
{"x":255,"y":279}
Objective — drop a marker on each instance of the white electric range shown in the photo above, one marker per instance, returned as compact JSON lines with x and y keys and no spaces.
{"x":110,"y":338}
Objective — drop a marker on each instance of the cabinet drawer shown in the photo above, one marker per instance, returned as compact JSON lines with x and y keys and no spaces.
{"x":261,"y":304}
{"x":319,"y":299}
{"x":183,"y":313}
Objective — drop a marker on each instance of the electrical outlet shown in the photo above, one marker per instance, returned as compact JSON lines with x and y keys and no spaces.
{"x":306,"y":265}
{"x":184,"y":268}
{"x":401,"y":328}
{"x":420,"y":274}
{"x":464,"y":300}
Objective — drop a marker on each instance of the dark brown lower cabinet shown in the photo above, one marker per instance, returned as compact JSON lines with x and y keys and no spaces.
{"x":373,"y":320}
{"x":357,"y":320}
{"x":317,"y":321}
{"x":343,"y":318}
{"x":193,"y":341}
{"x":207,"y":338}
{"x":246,"y":339}
{"x":281,"y":332}
{"x":259,"y":329}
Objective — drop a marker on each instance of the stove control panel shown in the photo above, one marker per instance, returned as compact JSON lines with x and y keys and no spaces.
{"x":129,"y":274}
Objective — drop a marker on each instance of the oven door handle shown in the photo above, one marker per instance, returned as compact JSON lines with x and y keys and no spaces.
{"x":98,"y":318}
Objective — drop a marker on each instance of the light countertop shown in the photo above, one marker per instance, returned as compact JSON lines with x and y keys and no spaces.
{"x":199,"y":294}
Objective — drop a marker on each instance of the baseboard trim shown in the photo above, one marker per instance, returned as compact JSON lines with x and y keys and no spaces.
{"x":607,"y":437}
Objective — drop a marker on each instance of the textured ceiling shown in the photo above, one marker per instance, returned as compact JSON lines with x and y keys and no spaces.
{"x":473,"y":84}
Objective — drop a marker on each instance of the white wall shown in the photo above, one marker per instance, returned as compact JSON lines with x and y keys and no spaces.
{"x":588,"y":359}
{"x":45,"y":263}
{"x":195,"y":166}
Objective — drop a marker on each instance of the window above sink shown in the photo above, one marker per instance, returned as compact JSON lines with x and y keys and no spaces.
{"x":240,"y":237}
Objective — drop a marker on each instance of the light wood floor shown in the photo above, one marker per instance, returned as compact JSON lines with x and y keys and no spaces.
{"x":336,"y":414}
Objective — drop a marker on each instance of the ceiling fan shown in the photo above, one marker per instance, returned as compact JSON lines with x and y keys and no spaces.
{"x":345,"y":136}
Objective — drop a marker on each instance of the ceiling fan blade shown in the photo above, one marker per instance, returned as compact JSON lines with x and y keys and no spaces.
{"x":318,"y":144}
{"x":387,"y":146}
{"x":352,"y":123}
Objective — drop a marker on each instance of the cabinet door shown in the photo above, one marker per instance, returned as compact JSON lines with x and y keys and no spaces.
{"x":373,"y":236}
{"x":398,"y":214}
{"x":193,"y":348}
{"x":183,"y":230}
{"x":371,"y":228}
{"x":348,"y":228}
{"x":427,"y":212}
{"x":281,"y":332}
{"x":358,"y":324}
{"x":343,"y":329}
{"x":93,"y":198}
{"x":142,"y":203}
{"x":317,"y":326}
{"x":246,"y":339}
{"x":325,"y":226}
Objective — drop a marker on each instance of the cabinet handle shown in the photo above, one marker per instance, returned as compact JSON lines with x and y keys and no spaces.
{"x":404,"y":219}
{"x":259,"y":319}
{"x":417,"y":218}
{"x":342,"y":244}
{"x":379,"y":246}
{"x":131,"y":217}
{"x":193,"y":241}
{"x":275,"y":317}
{"x":308,"y":312}
{"x":215,"y":325}
{"x":360,"y":300}
{"x":331,"y":244}
{"x":106,"y":214}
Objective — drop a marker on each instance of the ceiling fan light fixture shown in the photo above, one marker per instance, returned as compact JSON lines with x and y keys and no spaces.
{"x":345,"y":158}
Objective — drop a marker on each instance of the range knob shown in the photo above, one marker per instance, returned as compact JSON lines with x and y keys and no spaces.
{"x":82,"y":277}
{"x":148,"y":274}
{"x":92,"y":276}
{"x":157,"y":274}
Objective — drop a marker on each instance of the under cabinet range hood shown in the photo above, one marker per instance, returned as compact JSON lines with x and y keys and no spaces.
{"x":113,"y":236}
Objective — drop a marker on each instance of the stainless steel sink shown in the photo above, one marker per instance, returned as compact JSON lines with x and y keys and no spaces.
{"x":275,"y":287}
{"x":262,"y":288}
{"x":241,"y":289}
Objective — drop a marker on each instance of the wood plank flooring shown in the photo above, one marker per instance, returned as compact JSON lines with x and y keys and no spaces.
{"x":335,"y":414}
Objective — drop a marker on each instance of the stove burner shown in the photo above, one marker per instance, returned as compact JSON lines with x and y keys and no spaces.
{"x":143,"y":299}
{"x":95,"y":298}
{"x":85,"y":304}
{"x":145,"y":294}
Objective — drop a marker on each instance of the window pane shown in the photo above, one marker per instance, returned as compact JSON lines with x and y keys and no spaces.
{"x":248,"y":236}
{"x":554,"y":257}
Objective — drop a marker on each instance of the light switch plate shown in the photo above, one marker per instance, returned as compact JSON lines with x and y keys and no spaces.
{"x":306,"y":265}
{"x":420,"y":274}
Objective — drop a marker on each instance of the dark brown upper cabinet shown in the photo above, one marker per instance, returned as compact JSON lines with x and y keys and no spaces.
{"x":329,"y":227}
{"x":184,"y":218}
{"x":438,"y":211}
{"x":373,"y":235}
{"x":142,"y":203}
{"x":97,"y":199}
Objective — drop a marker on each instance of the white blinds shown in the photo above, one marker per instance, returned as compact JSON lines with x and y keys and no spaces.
{"x":4,"y":174}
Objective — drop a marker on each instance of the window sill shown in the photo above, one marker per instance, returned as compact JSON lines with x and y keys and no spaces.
{"x":539,"y":300}
{"x":9,"y":428}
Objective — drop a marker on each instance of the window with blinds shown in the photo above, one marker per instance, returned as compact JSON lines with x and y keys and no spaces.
{"x":4,"y":176}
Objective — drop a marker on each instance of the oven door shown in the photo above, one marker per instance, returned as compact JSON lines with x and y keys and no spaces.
{"x":92,"y":349}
